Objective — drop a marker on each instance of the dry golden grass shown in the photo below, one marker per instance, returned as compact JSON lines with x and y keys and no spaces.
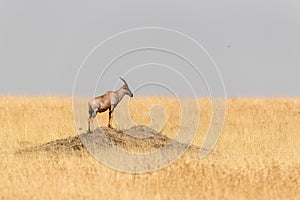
{"x":256,"y":157}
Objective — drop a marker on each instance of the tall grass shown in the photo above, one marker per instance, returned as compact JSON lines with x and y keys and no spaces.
{"x":256,"y":157}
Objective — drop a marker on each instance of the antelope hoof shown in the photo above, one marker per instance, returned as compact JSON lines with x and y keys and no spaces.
{"x":109,"y":126}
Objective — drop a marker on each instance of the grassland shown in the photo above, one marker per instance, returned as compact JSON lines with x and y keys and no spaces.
{"x":256,"y":157}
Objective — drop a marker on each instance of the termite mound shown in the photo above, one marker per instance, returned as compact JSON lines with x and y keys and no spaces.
{"x":139,"y":139}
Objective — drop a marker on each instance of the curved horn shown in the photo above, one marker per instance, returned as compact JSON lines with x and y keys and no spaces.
{"x":123,"y":81}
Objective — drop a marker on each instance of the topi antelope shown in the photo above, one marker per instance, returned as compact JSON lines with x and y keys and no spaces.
{"x":109,"y":101}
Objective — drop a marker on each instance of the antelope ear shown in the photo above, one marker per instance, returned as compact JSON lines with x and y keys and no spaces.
{"x":124,"y":81}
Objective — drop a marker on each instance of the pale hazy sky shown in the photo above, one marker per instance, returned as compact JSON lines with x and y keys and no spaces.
{"x":255,"y":43}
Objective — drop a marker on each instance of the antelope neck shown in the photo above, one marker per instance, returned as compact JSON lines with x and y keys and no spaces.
{"x":120,"y":94}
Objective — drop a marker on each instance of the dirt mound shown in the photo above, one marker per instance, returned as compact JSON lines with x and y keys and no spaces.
{"x":66,"y":144}
{"x":141,"y":139}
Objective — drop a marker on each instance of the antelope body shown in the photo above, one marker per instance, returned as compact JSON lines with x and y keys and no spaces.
{"x":107,"y":101}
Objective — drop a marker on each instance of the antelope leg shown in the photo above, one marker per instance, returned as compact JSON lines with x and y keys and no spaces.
{"x":110,"y":119}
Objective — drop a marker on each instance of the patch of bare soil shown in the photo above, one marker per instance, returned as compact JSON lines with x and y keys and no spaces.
{"x":139,"y":139}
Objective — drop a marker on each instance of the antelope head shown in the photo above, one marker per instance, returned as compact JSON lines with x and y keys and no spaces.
{"x":126,"y":89}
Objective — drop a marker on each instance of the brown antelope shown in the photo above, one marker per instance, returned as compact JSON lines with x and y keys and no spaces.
{"x":107,"y":101}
